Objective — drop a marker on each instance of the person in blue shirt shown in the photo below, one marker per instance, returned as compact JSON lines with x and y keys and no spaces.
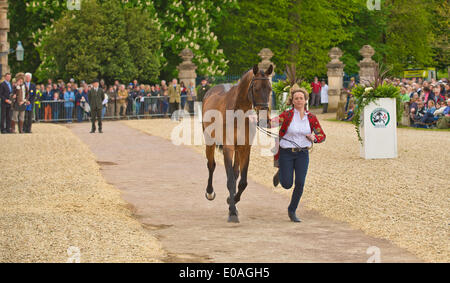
{"x":80,"y":99}
{"x":69,"y":99}
{"x":447,"y":109}
{"x":429,"y":113}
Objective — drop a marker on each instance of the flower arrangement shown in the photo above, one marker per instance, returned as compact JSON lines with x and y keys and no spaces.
{"x":283,"y":86}
{"x":379,"y":88}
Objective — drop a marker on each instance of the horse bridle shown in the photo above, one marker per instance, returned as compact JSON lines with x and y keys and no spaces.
{"x":251,"y":95}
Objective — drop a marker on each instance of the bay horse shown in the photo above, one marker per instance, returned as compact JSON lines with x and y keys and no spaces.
{"x":252,"y":92}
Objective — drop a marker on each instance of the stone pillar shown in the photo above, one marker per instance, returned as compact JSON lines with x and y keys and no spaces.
{"x":266,"y":54}
{"x":405,"y":116}
{"x":186,"y":70}
{"x":4,"y":29}
{"x":335,"y":78}
{"x":367,"y":66}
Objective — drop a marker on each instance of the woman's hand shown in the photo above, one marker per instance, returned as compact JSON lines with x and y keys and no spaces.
{"x":253,"y":119}
{"x":310,"y":137}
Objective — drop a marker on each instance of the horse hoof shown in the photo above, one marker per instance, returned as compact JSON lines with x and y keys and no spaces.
{"x":210,"y":197}
{"x":233,"y":219}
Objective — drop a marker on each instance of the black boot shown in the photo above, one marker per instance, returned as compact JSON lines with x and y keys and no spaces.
{"x":92,"y":130}
{"x":293,"y":217}
{"x":276,"y":178}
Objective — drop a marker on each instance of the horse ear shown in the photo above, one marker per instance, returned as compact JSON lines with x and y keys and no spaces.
{"x":255,"y":70}
{"x":269,"y":71}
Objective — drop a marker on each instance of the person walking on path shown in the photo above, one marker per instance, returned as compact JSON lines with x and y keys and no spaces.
{"x":299,"y":130}
{"x":96,"y":96}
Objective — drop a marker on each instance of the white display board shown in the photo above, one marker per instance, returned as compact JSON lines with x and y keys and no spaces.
{"x":379,"y":129}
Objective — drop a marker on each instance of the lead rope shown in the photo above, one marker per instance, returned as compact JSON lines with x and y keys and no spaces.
{"x":273,"y":135}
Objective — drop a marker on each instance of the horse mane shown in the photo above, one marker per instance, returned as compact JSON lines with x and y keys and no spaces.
{"x":245,"y":79}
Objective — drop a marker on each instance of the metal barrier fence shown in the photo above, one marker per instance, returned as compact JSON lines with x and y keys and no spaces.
{"x":148,"y":106}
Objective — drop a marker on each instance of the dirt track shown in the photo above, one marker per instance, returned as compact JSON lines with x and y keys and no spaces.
{"x":166,"y":185}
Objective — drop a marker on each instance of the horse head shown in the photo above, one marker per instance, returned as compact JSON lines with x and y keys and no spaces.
{"x":260,"y":89}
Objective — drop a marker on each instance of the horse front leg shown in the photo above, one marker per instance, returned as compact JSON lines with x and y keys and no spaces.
{"x":228,"y":153}
{"x":244,"y":161}
{"x":210,"y":194}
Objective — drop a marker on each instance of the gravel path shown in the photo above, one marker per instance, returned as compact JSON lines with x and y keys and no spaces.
{"x":166,"y":185}
{"x":404,"y":200}
{"x":53,"y":197}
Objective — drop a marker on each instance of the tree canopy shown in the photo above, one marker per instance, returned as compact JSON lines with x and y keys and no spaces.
{"x":142,"y":38}
{"x":103,"y":40}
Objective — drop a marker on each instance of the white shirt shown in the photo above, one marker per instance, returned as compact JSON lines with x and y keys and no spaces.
{"x":297,"y":131}
{"x":324,"y":94}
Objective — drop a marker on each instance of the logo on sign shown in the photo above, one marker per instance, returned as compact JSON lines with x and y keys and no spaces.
{"x":380,"y":118}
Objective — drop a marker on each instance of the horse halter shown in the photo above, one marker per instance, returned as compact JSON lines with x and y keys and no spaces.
{"x":251,"y":97}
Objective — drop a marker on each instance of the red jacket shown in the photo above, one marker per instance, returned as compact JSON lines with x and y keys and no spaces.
{"x":316,"y":87}
{"x":285,"y":120}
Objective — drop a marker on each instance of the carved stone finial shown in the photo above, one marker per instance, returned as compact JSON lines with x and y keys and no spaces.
{"x":266,"y":54}
{"x":367,"y":65}
{"x":186,"y":70}
{"x":187,"y":55}
{"x":335,"y":53}
{"x":367,"y":52}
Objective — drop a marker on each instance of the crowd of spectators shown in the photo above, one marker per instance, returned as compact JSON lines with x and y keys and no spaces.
{"x":427,"y":103}
{"x":68,"y":101}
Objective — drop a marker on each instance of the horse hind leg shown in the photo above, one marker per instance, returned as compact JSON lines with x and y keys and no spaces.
{"x":210,"y":194}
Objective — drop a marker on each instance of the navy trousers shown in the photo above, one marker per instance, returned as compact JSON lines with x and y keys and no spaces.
{"x":289,"y":163}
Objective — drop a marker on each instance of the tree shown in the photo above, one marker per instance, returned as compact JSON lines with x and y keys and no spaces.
{"x":318,"y":26}
{"x":441,"y":24}
{"x":401,"y":34}
{"x":143,"y":41}
{"x":299,"y":32}
{"x":40,"y":14}
{"x":97,"y":42}
{"x":191,"y":24}
{"x":253,"y":25}
{"x":27,"y":19}
{"x":408,"y":35}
